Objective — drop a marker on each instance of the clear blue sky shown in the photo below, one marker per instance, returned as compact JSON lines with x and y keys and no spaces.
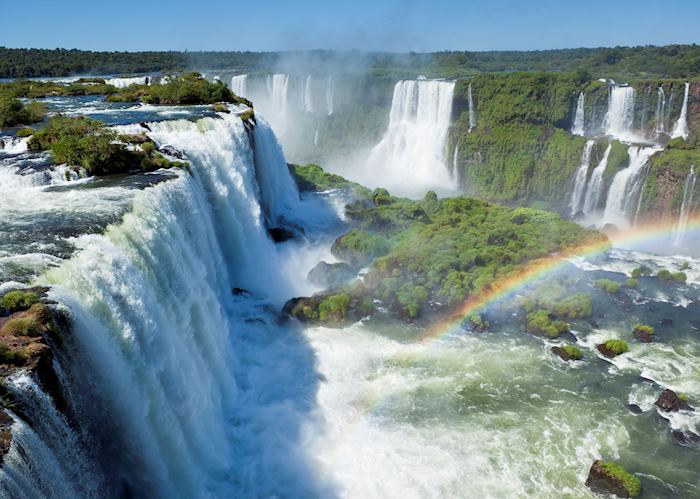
{"x":361,"y":24}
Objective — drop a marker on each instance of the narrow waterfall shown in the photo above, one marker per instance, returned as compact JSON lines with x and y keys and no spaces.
{"x":577,"y":196}
{"x":276,"y":107}
{"x":595,"y":185}
{"x":455,"y":160}
{"x":578,"y":126}
{"x":125,"y":82}
{"x":686,"y":207}
{"x":329,"y":95}
{"x":410,"y":158}
{"x":660,"y":117}
{"x":619,"y":120}
{"x":307,"y":96}
{"x":239,"y":85}
{"x":645,"y":111}
{"x":680,"y":129}
{"x":472,"y":111}
{"x":626,"y":187}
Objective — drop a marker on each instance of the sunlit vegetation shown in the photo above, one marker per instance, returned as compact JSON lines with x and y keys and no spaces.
{"x":608,"y":285}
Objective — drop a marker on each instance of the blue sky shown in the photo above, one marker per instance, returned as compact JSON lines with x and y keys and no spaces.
{"x":362,"y":24}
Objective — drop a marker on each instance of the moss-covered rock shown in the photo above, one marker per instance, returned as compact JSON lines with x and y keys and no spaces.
{"x":613,"y":348}
{"x":643,"y":333}
{"x":568,"y":352}
{"x":611,"y":478}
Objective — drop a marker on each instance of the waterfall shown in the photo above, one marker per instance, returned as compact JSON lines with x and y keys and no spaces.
{"x":619,"y":119}
{"x":595,"y":185}
{"x":577,"y":128}
{"x":686,"y":207}
{"x":660,"y":116}
{"x":626,"y":186}
{"x":472,"y":111}
{"x":577,"y":195}
{"x":645,"y":111}
{"x":307,"y":96}
{"x":455,"y":160}
{"x":277,"y":105}
{"x":329,"y":95}
{"x":239,"y":85}
{"x":125,"y":82}
{"x":316,"y":137}
{"x":411,"y":155}
{"x":680,"y":129}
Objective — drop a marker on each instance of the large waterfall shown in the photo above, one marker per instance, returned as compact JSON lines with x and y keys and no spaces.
{"x":125,"y":82}
{"x":580,"y":178}
{"x":619,"y":120}
{"x":624,"y":192}
{"x":411,"y":156}
{"x":277,"y":107}
{"x":686,"y":207}
{"x":595,"y":185}
{"x":680,"y":129}
{"x":239,"y":85}
{"x":578,"y":126}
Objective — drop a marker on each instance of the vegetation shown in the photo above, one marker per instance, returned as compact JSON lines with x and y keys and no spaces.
{"x":14,"y":113}
{"x":18,"y":342}
{"x":641,"y":271}
{"x":541,"y":322}
{"x":617,"y":347}
{"x":631,"y":283}
{"x":629,"y":481}
{"x":608,"y":285}
{"x":34,"y":89}
{"x":85,"y":143}
{"x":190,"y":88}
{"x":14,"y":301}
{"x":312,"y":178}
{"x":666,"y":275}
{"x":556,"y":298}
{"x":573,"y":352}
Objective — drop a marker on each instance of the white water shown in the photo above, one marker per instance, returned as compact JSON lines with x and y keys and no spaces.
{"x":626,"y":187}
{"x":307,"y":96}
{"x":455,"y":160}
{"x":125,"y":82}
{"x":595,"y":185}
{"x":577,"y":196}
{"x":14,"y":145}
{"x":660,"y":116}
{"x":278,"y":98}
{"x":578,"y":126}
{"x":410,"y":158}
{"x":680,"y":129}
{"x":329,"y":95}
{"x":686,"y":207}
{"x":239,"y":85}
{"x":619,"y":119}
{"x":472,"y":111}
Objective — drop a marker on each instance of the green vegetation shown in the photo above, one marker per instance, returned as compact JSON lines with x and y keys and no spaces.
{"x":334,"y":309}
{"x":629,"y":481}
{"x":666,"y":275}
{"x":573,"y":351}
{"x":14,"y":301}
{"x":34,"y":89}
{"x":641,"y":271}
{"x":632,"y":283}
{"x":556,"y":298}
{"x":541,"y":322}
{"x":617,"y":347}
{"x":642,"y":330}
{"x":20,"y":336}
{"x":312,"y":178}
{"x":83,"y":142}
{"x":25,"y":132}
{"x":14,"y":113}
{"x":608,"y":285}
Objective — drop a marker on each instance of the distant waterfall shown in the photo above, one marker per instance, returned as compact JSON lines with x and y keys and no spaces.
{"x":472,"y":111}
{"x":660,"y":116}
{"x":329,"y":95}
{"x":580,"y":179}
{"x":578,"y":128}
{"x":626,"y":186}
{"x":455,"y":160}
{"x":595,"y":185}
{"x":239,"y":85}
{"x":277,"y":108}
{"x":411,"y":156}
{"x":307,"y":96}
{"x":125,"y":82}
{"x":680,"y":129}
{"x":619,"y":120}
{"x":686,"y":207}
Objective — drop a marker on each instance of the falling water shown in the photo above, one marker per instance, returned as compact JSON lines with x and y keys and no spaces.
{"x":595,"y":185}
{"x":329,"y":95}
{"x":577,"y":128}
{"x":680,"y":129}
{"x":307,"y":96}
{"x":660,"y":117}
{"x":577,"y":196}
{"x":619,"y":119}
{"x":686,"y":206}
{"x":626,"y":186}
{"x":472,"y":111}
{"x":278,"y":101}
{"x":239,"y":85}
{"x":125,"y":82}
{"x":455,"y":160}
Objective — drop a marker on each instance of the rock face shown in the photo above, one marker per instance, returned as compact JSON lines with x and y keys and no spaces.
{"x":603,"y":482}
{"x":669,"y":401}
{"x":330,"y":275}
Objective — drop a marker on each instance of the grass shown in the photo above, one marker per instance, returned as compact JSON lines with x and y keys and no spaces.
{"x":608,"y":285}
{"x":14,"y":301}
{"x":617,"y":346}
{"x":629,"y":481}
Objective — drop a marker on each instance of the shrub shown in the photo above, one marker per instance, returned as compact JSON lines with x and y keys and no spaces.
{"x":608,"y":285}
{"x":541,"y":322}
{"x":14,"y":113}
{"x":573,"y":351}
{"x":666,"y":275}
{"x":25,"y":132}
{"x":617,"y":346}
{"x":632,"y":283}
{"x":630,"y":482}
{"x":643,"y":329}
{"x":640,"y":271}
{"x":334,"y":308}
{"x":17,"y":300}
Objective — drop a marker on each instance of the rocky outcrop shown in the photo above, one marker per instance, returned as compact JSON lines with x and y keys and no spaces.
{"x":567,"y":353}
{"x":669,"y":401}
{"x":330,"y":275}
{"x":609,"y":478}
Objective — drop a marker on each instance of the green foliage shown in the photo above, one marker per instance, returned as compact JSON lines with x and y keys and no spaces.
{"x":616,"y":346}
{"x":14,"y":301}
{"x":640,"y":271}
{"x":312,"y":178}
{"x":334,"y":309}
{"x":359,"y":247}
{"x":541,"y":322}
{"x":554,"y":297}
{"x":629,"y":481}
{"x":25,"y":132}
{"x":643,"y":329}
{"x":666,"y":275}
{"x":573,"y":351}
{"x":608,"y":285}
{"x":632,"y":283}
{"x":14,"y":113}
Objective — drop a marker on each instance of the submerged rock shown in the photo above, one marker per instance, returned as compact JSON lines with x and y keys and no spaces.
{"x":634,"y":408}
{"x":669,"y":401}
{"x":330,"y":275}
{"x":567,"y":353}
{"x":610,"y":478}
{"x":687,"y":438}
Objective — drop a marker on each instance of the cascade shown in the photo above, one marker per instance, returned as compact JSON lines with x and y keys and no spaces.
{"x":307,"y":96}
{"x":626,"y":186}
{"x":686,"y":207}
{"x":329,"y":95}
{"x":277,"y":105}
{"x":619,"y":119}
{"x":645,"y":111}
{"x":595,"y":185}
{"x":472,"y":111}
{"x":410,"y":158}
{"x":680,"y":129}
{"x":660,"y":116}
{"x":455,"y":160}
{"x":125,"y":82}
{"x":578,"y":126}
{"x":239,"y":85}
{"x":577,"y":196}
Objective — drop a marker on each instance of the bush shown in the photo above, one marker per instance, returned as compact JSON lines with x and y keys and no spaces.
{"x":17,"y":300}
{"x":573,"y":351}
{"x":640,"y":271}
{"x":608,"y":285}
{"x":630,"y":482}
{"x":25,"y":132}
{"x":540,"y":322}
{"x":334,"y":308}
{"x":14,"y":113}
{"x":632,"y":283}
{"x":666,"y":275}
{"x":643,"y":329}
{"x":617,"y":346}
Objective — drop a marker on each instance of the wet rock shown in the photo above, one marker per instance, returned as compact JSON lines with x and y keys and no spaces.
{"x":330,"y":275}
{"x":171,"y":151}
{"x":634,"y":408}
{"x":280,"y":234}
{"x":608,"y":479}
{"x":669,"y":401}
{"x":240,"y":292}
{"x":5,"y":434}
{"x":666,"y":322}
{"x":605,"y":351}
{"x":594,"y":325}
{"x":567,"y":354}
{"x":687,"y":438}
{"x":644,"y":334}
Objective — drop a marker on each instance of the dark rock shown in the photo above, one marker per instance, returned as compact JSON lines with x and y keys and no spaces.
{"x":687,"y":438}
{"x":171,"y":151}
{"x":145,"y":125}
{"x":562,"y":354}
{"x":5,"y":434}
{"x":240,"y":292}
{"x":634,"y":409}
{"x":330,"y":275}
{"x":2,"y":144}
{"x":594,"y":325}
{"x":282,"y":234}
{"x":606,"y":351}
{"x":666,"y":322}
{"x":643,"y":336}
{"x":669,"y":401}
{"x":601,"y":482}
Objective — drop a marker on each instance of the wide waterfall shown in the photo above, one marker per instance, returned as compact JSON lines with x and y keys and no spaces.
{"x":680,"y":129}
{"x":472,"y":111}
{"x":578,"y":126}
{"x":239,"y":85}
{"x":686,"y":207}
{"x":577,"y":196}
{"x":619,"y":119}
{"x":624,"y":192}
{"x":595,"y":185}
{"x":125,"y":82}
{"x":410,"y":158}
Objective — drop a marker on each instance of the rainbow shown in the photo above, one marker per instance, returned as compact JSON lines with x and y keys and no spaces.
{"x":511,"y":284}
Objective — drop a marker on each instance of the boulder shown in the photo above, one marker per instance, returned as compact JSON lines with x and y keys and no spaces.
{"x":634,"y":408}
{"x":5,"y":434}
{"x":669,"y":401}
{"x":565,"y":354}
{"x":611,"y":479}
{"x":687,"y":438}
{"x":643,"y":334}
{"x":330,"y":275}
